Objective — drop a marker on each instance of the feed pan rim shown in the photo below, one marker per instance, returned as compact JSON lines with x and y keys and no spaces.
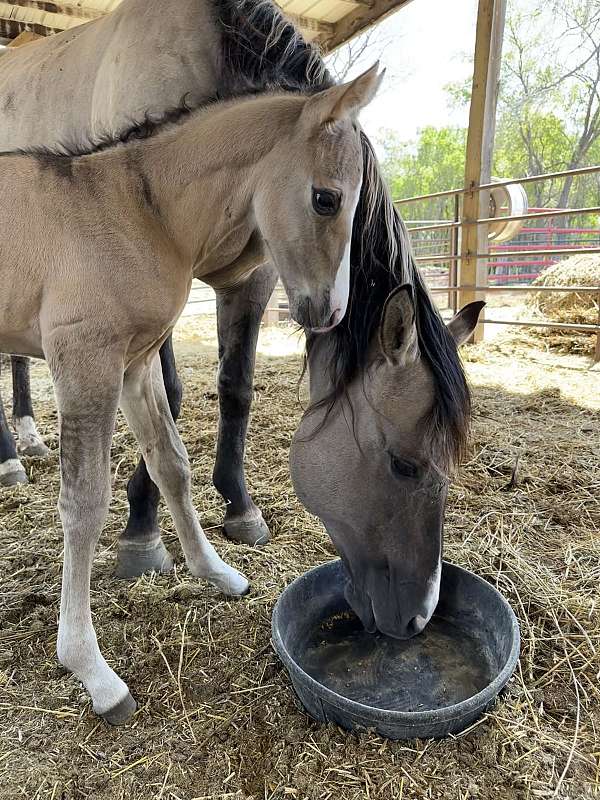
{"x":415,"y":718}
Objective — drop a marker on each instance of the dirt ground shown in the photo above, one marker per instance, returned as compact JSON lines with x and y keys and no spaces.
{"x":217,"y":718}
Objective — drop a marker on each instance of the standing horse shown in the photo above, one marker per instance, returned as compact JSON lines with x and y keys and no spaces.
{"x":142,"y":59}
{"x":122,"y":229}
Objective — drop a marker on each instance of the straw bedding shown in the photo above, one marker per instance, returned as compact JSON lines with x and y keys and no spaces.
{"x":217,"y":718}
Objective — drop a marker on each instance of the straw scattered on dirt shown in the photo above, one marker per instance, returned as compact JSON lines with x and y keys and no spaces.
{"x":217,"y":717}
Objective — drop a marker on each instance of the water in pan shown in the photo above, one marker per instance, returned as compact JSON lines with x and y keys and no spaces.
{"x":440,"y":667}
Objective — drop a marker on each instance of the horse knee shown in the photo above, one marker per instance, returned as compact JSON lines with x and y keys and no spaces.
{"x":235,"y":395}
{"x":83,"y":511}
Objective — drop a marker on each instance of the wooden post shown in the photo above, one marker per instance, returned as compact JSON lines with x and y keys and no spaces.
{"x":597,"y":348}
{"x":480,"y":144}
{"x":271,"y":315}
{"x":455,"y":250}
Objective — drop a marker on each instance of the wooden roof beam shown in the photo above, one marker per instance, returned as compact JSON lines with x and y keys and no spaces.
{"x":45,"y":18}
{"x":24,"y":38}
{"x":358,"y":21}
{"x":69,"y":9}
{"x":309,"y":24}
{"x":16,"y":18}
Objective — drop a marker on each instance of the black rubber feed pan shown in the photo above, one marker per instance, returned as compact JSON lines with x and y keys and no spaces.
{"x":435,"y":684}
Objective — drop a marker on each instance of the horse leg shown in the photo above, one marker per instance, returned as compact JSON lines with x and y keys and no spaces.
{"x":141,"y":548}
{"x":239,"y":313}
{"x":11,"y":469}
{"x":145,"y":405}
{"x":30,"y":441}
{"x":87,"y":391}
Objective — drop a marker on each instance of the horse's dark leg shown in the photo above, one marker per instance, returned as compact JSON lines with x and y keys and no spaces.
{"x":30,"y":441}
{"x":239,"y":313}
{"x":140,"y":546}
{"x":11,"y":469}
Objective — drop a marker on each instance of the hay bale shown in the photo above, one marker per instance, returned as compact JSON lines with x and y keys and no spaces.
{"x":581,"y":270}
{"x":568,"y":307}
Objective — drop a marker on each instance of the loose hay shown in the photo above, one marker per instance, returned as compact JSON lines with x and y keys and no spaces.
{"x":217,"y":717}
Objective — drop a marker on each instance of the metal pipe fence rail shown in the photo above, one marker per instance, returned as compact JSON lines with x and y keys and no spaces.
{"x":460,"y":290}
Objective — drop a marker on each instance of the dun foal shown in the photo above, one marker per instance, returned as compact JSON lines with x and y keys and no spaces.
{"x":120,"y":232}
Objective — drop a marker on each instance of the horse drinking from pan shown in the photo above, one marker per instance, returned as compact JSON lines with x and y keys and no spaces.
{"x":389,"y":403}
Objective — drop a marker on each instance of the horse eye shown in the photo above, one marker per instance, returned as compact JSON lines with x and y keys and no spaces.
{"x":402,"y":468}
{"x":326,"y":202}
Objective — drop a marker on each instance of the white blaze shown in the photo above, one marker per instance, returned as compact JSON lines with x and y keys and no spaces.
{"x":433,"y":595}
{"x":340,"y":291}
{"x":341,"y":287}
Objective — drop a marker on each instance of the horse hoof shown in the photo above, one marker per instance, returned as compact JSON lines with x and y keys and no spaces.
{"x":12,"y":473}
{"x":247,"y":530}
{"x":30,"y":443}
{"x":36,"y":449}
{"x":119,"y":714}
{"x":136,"y":557}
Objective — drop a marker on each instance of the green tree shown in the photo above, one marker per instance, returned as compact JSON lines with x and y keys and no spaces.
{"x":548,"y":112}
{"x":550,"y":85}
{"x":436,"y":160}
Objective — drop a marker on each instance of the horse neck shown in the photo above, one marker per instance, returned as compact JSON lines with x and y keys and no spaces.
{"x":203,"y":174}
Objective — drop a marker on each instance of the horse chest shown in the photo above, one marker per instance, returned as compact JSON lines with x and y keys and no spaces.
{"x":240,"y":264}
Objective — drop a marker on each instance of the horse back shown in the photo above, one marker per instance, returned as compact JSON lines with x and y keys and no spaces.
{"x":94,"y":79}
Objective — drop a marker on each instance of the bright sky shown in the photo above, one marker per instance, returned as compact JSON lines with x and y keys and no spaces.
{"x":428,"y":44}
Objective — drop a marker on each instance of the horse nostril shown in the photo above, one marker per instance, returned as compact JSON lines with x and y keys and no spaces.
{"x":331,"y":323}
{"x":415,"y":626}
{"x":333,"y":319}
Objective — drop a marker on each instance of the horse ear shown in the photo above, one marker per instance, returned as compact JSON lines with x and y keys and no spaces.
{"x":398,"y":337}
{"x":462,"y":324}
{"x":344,"y":101}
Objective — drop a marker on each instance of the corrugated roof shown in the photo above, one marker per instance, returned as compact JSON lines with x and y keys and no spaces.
{"x":328,"y":22}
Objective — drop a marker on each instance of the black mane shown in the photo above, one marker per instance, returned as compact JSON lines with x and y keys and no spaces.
{"x":260,"y":48}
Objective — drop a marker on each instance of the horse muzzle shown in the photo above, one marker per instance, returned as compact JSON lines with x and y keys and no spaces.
{"x":319,"y":316}
{"x":402,"y":612}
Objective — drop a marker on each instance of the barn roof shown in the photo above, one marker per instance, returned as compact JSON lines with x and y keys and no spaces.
{"x":328,"y":22}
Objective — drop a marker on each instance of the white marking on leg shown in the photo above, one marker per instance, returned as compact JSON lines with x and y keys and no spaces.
{"x":77,"y":645}
{"x":28,"y":435}
{"x":11,"y":466}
